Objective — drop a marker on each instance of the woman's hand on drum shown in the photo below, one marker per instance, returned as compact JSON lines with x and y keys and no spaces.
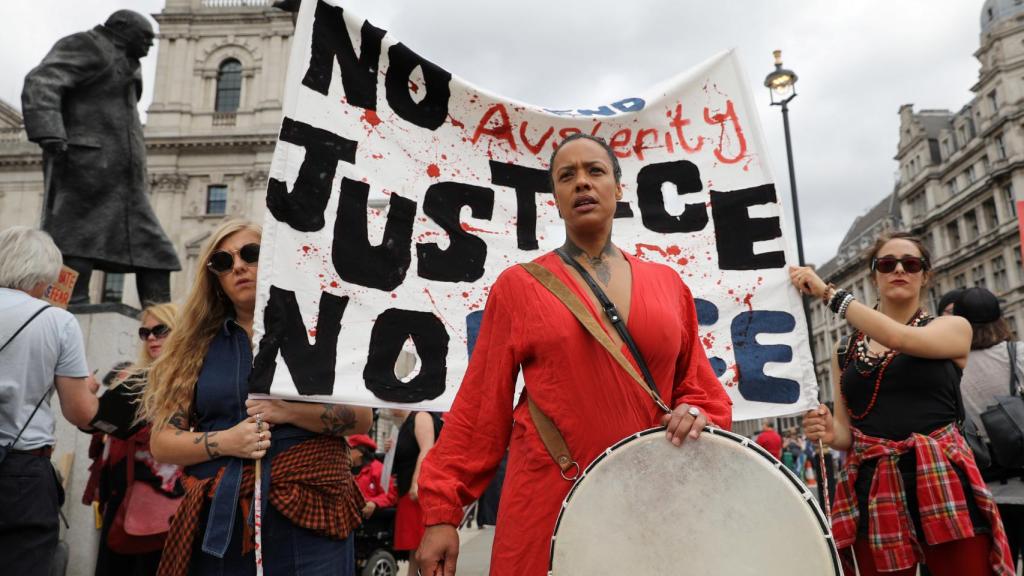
{"x":438,"y":551}
{"x":249,"y":439}
{"x":806,"y":281}
{"x":685,"y":421}
{"x":818,"y":424}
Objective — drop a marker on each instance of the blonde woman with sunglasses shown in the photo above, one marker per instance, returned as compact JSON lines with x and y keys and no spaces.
{"x":910,"y":492}
{"x":120,"y":554}
{"x":197,"y":402}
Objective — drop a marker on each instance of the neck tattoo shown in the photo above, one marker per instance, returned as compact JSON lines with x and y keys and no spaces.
{"x":599,"y":263}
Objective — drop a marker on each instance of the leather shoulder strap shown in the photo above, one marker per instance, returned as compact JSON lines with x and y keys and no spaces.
{"x":579,"y":310}
{"x":553,"y":440}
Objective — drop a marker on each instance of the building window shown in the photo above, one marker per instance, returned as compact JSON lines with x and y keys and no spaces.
{"x":216,"y":199}
{"x":953,"y":234}
{"x":993,"y":102}
{"x":984,"y":165}
{"x":961,"y":136}
{"x":971,"y":224}
{"x":951,"y":188}
{"x":929,"y":243}
{"x":988,"y":209}
{"x":1011,"y":202}
{"x":978,"y":276}
{"x":960,"y":281}
{"x":946,"y":149}
{"x":229,"y":86}
{"x":1000,"y":147}
{"x":999,"y":280}
{"x":113,"y":287}
{"x":919,"y":205}
{"x":971,"y":177}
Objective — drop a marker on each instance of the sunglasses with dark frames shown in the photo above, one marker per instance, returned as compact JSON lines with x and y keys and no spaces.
{"x":158,"y":331}
{"x":887,"y":264}
{"x":222,"y":261}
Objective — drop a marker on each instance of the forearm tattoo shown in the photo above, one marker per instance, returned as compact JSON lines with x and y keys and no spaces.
{"x":206,"y":438}
{"x":338,"y":419}
{"x":180,"y":422}
{"x":599,"y":263}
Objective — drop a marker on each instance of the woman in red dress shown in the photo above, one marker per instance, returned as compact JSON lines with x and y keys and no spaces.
{"x":571,"y":378}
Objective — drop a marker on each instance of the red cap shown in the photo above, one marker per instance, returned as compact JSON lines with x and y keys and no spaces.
{"x":362,"y":440}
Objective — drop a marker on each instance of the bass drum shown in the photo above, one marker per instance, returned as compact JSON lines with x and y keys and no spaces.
{"x":718,"y":506}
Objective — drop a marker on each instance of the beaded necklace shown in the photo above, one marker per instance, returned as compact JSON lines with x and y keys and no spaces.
{"x":862,"y":356}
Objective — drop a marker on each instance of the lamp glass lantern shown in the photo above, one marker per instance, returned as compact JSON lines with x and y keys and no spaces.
{"x":781,"y":83}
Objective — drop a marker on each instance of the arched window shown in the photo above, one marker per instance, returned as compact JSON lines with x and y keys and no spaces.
{"x":229,"y":86}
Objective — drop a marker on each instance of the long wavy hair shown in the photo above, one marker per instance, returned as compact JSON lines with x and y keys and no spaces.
{"x":172,"y":377}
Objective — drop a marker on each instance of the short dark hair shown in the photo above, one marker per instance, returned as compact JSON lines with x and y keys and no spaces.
{"x":616,"y":168}
{"x":989,"y":334}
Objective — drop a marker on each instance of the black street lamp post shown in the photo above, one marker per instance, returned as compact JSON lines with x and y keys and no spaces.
{"x":781,"y":84}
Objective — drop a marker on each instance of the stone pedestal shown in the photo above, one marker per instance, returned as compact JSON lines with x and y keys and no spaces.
{"x":110,"y":333}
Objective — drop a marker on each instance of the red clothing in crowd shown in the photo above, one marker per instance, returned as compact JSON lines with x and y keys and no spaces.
{"x":771,"y":441}
{"x":573,"y":380}
{"x":369,"y":484}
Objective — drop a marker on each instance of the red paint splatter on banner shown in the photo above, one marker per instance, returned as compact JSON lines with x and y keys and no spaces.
{"x":413,"y":87}
{"x":747,"y":301}
{"x":370,"y":117}
{"x":471,"y":228}
{"x":433,"y":171}
{"x":465,"y":294}
{"x":708,"y":341}
{"x":312,"y":332}
{"x":306,"y":249}
{"x":334,"y":284}
{"x":456,"y":123}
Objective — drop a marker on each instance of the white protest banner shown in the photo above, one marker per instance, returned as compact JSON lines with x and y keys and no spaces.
{"x":398,"y":193}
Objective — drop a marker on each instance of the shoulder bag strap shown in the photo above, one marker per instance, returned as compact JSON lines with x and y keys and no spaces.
{"x":45,"y":394}
{"x":1011,"y":349}
{"x":576,"y":306}
{"x":612,"y":313}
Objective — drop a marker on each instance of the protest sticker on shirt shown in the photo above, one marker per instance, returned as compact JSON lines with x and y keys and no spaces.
{"x":398,"y":193}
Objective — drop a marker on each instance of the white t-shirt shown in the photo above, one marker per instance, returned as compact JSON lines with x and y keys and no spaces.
{"x":51,"y":345}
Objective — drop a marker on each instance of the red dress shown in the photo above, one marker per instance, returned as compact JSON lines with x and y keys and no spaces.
{"x":572,"y":379}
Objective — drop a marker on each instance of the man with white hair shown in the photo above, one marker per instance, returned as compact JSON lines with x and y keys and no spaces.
{"x":40,"y":350}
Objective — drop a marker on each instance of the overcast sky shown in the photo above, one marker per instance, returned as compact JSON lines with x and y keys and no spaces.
{"x":857,"y":63}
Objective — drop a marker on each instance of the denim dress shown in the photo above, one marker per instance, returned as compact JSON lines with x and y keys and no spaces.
{"x":219,"y":404}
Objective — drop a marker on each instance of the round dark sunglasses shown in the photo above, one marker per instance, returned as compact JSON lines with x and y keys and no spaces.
{"x":158,"y":331}
{"x":887,"y":264}
{"x":222,"y":261}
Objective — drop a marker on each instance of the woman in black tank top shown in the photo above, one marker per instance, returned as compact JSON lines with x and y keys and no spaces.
{"x":910,"y":492}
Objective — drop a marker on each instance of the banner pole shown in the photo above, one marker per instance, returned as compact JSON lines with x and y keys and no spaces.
{"x":824,"y":482}
{"x":258,"y":516}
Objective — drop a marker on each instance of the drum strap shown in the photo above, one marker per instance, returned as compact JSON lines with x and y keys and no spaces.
{"x":546,"y":429}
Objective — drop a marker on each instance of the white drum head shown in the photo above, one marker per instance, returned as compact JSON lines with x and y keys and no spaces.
{"x":718,"y":506}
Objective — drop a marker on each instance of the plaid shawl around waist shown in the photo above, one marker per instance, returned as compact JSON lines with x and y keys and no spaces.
{"x":312,"y":487}
{"x":942,"y":503}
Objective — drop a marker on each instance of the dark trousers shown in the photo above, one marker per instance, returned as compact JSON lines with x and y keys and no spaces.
{"x":1013,"y":522}
{"x":287,"y":550}
{"x":154,"y":286}
{"x":29,"y":515}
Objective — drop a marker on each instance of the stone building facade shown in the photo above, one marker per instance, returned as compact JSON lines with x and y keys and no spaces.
{"x":210,"y":129}
{"x":961,"y":175}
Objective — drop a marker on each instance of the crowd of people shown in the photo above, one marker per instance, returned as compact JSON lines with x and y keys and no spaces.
{"x":918,"y":488}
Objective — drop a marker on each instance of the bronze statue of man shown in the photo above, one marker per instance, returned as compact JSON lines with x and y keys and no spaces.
{"x":80,"y":105}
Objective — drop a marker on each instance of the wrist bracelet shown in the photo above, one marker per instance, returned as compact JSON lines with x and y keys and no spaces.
{"x":837,"y":299}
{"x":845,"y":306}
{"x":830,"y":292}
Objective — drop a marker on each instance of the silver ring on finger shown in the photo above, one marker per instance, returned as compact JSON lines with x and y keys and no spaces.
{"x":693,"y":411}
